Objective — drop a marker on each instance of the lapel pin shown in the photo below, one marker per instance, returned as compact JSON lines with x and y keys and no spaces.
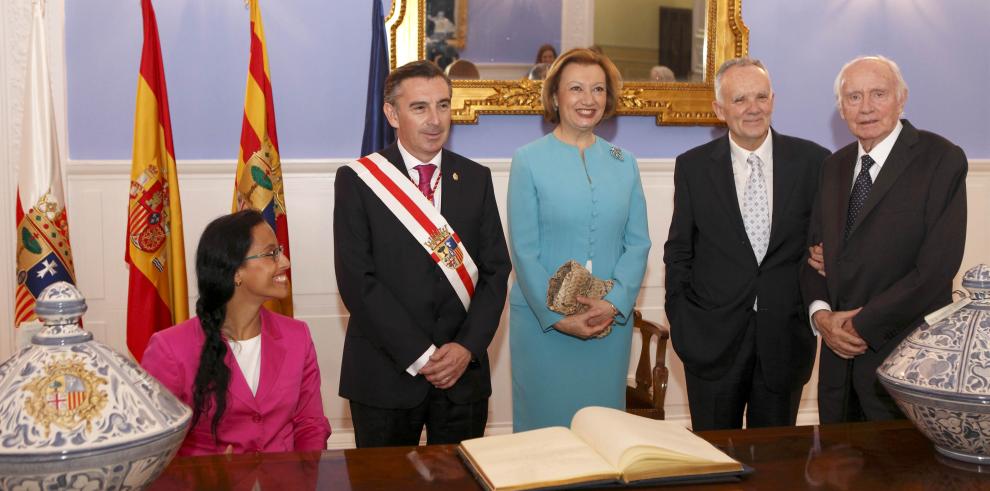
{"x":456,"y":177}
{"x":616,"y":153}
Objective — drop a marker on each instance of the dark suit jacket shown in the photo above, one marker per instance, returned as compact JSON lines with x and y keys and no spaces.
{"x":904,"y":248}
{"x":400,"y":301}
{"x":713,"y":278}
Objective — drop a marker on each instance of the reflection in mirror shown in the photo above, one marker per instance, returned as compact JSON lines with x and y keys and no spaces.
{"x":500,"y":37}
{"x":653,"y":40}
{"x":667,"y":50}
{"x":649,"y":40}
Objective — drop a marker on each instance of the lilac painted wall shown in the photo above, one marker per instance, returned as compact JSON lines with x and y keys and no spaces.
{"x":319,"y":52}
{"x":511,"y":30}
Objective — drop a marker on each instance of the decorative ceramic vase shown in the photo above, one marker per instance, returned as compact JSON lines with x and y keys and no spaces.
{"x":75,"y":414}
{"x":940,"y":375}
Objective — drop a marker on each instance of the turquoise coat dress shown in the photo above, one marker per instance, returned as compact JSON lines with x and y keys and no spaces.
{"x":562,"y":207}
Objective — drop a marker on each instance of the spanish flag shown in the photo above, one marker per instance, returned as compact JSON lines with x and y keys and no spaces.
{"x":258,"y":182}
{"x":44,"y":255}
{"x":156,"y":295}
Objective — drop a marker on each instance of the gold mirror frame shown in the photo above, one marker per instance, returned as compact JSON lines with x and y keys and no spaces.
{"x":679,"y":103}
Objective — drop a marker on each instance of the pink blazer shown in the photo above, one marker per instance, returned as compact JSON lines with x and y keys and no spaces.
{"x":285,"y":415}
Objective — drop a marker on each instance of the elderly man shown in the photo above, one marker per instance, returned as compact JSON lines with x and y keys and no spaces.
{"x":424,"y":276}
{"x":735,"y":247}
{"x":891,"y":218}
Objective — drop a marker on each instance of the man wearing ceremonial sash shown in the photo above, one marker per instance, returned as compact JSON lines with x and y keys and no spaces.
{"x":422,"y":266}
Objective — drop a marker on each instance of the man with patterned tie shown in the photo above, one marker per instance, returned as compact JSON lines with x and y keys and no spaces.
{"x":891,"y":220}
{"x":422,"y":267}
{"x":736,"y":241}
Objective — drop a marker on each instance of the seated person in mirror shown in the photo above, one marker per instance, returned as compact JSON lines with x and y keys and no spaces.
{"x":250,"y":375}
{"x":661,"y":73}
{"x":545,"y":56}
{"x":573,"y":196}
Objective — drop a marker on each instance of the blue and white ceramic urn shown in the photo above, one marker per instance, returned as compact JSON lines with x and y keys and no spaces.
{"x":940,"y":375}
{"x":75,"y":414}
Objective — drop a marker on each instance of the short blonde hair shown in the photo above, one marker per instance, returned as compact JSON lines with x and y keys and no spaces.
{"x":582,"y":56}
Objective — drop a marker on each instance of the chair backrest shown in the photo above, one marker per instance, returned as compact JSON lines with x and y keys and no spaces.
{"x":463,"y":69}
{"x":651,"y":381}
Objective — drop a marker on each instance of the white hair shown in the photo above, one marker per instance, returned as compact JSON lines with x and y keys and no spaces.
{"x":732,"y":63}
{"x":902,"y":87}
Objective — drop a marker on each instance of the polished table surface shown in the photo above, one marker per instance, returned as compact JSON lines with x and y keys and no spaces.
{"x":870,"y":456}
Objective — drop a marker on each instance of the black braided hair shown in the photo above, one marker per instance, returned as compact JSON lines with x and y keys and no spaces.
{"x":222,"y":248}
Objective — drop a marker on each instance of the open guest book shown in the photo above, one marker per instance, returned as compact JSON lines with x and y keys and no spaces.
{"x":602,"y":447}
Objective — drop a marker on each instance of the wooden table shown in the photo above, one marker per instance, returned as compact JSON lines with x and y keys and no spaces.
{"x":868,"y":456}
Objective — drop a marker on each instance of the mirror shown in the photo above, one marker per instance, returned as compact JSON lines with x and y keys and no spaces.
{"x":666,"y":50}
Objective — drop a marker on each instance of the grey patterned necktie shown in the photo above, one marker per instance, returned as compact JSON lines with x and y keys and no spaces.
{"x":755,"y":209}
{"x":860,"y":191}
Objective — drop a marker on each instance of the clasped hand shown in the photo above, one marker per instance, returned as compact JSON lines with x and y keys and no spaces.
{"x":839,"y":334}
{"x":446,"y":365}
{"x":590,"y":323}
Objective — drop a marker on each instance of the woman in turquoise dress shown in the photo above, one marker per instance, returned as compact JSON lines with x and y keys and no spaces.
{"x":573,"y":195}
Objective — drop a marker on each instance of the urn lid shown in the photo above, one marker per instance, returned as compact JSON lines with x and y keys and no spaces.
{"x":67,"y":393}
{"x":949,"y":357}
{"x":977,"y":282}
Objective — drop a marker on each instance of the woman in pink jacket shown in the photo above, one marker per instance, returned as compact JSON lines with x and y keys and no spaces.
{"x":249,"y":374}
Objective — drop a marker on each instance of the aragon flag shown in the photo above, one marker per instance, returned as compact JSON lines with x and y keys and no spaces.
{"x":258,"y":181}
{"x":157,"y":295}
{"x":44,"y":255}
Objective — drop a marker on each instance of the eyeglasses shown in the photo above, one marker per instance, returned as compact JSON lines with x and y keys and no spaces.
{"x":274,"y":254}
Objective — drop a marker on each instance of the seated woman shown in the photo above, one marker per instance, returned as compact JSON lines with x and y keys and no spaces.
{"x":545,"y":54}
{"x":249,"y":374}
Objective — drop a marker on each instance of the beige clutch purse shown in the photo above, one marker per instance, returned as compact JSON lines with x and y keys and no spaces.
{"x":568,"y":282}
{"x":571,"y":280}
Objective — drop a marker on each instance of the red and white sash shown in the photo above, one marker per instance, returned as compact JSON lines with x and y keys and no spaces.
{"x":422,"y":220}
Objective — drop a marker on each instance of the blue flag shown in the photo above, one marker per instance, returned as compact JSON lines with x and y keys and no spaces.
{"x":377,"y":132}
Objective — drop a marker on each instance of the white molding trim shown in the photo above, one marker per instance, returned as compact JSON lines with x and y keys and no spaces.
{"x":292,"y":167}
{"x":577,"y":24}
{"x":329,"y":166}
{"x":503,"y":70}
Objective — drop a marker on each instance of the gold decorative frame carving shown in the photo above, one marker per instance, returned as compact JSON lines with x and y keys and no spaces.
{"x":678,"y":103}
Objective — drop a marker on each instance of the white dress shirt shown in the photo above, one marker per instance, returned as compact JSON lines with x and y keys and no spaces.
{"x":411,"y":163}
{"x":741,"y":171}
{"x":879,"y":154}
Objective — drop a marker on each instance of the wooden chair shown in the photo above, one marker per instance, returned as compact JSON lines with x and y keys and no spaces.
{"x":646,"y":398}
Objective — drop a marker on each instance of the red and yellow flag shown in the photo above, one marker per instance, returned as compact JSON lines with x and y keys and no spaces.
{"x":43,"y":252}
{"x":156,"y":296}
{"x":258,"y":182}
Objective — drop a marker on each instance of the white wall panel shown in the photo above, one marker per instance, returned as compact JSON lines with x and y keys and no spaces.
{"x":98,"y":200}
